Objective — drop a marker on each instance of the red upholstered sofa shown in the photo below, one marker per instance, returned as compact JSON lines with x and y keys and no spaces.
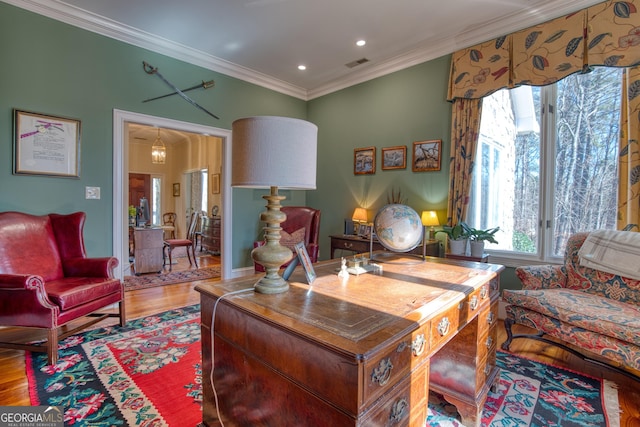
{"x":302,"y":224}
{"x":47,"y":281}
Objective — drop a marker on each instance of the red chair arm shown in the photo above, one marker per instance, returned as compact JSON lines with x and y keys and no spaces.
{"x":24,"y":302}
{"x":313,"y":249}
{"x":90,"y":267}
{"x":21,"y":281}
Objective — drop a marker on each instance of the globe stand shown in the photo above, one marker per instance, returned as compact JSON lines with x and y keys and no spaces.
{"x":395,"y":256}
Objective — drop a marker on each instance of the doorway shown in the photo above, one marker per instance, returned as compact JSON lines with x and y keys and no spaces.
{"x":120,"y":183}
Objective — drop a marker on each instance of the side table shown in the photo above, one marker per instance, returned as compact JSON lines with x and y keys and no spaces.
{"x":483,"y":258}
{"x":361,"y":245}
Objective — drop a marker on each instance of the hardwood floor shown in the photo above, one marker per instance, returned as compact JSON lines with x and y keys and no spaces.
{"x":14,"y":390}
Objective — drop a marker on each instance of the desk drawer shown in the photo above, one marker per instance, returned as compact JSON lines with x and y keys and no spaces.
{"x":383,"y":372}
{"x":444,"y":326}
{"x":354,"y":245}
{"x":405,"y":405}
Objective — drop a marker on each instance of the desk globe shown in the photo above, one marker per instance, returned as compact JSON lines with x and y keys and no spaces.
{"x":398,"y":228}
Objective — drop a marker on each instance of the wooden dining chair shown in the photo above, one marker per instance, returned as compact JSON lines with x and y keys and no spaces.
{"x":169,"y":223}
{"x":188,"y":243}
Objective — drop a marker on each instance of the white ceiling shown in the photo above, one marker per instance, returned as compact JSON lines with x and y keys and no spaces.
{"x":263,"y":41}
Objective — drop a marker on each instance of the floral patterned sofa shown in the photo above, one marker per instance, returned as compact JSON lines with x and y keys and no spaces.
{"x":588,"y":308}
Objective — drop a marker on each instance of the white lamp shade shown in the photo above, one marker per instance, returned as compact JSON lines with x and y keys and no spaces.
{"x":274,"y":151}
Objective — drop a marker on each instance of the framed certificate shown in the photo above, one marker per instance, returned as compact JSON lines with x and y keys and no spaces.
{"x":46,"y":145}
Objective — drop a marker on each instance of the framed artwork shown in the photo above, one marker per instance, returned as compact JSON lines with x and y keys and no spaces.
{"x":364,"y":230}
{"x":364,"y":161}
{"x":46,"y":145}
{"x":394,"y":157}
{"x":427,"y":155}
{"x":304,"y":259}
{"x":176,"y":189}
{"x":215,"y":183}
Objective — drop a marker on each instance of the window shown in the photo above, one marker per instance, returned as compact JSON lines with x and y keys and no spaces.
{"x":156,"y":200}
{"x":546,"y":163}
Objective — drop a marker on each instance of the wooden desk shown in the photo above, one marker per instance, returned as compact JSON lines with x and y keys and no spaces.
{"x":147,"y":251}
{"x":358,"y":353}
{"x":361,"y":245}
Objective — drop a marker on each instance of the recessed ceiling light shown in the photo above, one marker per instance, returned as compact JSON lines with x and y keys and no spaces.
{"x":361,"y":43}
{"x":302,"y":67}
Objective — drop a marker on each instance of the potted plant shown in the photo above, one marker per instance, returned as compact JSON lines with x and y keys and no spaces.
{"x":478,"y":237}
{"x":458,"y":236}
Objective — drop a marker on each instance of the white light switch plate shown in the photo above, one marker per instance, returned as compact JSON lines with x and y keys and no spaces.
{"x":92,"y":192}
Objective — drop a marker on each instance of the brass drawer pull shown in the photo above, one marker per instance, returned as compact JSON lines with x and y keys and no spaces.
{"x":487,"y":369}
{"x":398,"y":411}
{"x":382,"y":373}
{"x":443,"y":326}
{"x":418,"y":345}
{"x":473,"y":304}
{"x":483,"y":292}
{"x":490,"y":317}
{"x":348,"y":245}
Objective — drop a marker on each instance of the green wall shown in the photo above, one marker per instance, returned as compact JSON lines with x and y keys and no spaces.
{"x":54,"y":68}
{"x":394,"y":110}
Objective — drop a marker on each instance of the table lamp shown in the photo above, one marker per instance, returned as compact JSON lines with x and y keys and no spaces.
{"x":359,"y":216}
{"x":430,"y":219}
{"x":273,"y":152}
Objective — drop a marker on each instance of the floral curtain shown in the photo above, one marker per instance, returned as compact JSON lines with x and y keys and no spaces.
{"x":606,"y":34}
{"x":464,"y":138}
{"x":629,"y":162}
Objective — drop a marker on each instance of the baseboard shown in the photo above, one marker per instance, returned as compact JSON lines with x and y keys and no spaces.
{"x":502,"y":311}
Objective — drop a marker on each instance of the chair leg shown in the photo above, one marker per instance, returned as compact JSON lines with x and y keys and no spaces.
{"x":123,"y":315}
{"x":52,"y":346}
{"x":508,"y":323}
{"x":170,"y":261}
{"x":195,"y":260}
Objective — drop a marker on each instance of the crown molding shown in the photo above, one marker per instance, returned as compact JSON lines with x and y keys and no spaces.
{"x":445,"y":46}
{"x":80,"y":18}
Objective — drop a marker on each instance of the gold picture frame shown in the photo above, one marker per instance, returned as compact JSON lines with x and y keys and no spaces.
{"x":394,"y":157}
{"x":176,"y":189}
{"x":215,"y":183}
{"x":45,"y":145}
{"x":427,"y":155}
{"x":364,"y":161}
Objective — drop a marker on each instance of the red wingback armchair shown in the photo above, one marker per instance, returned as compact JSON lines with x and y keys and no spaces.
{"x":47,"y":281}
{"x":302,"y":224}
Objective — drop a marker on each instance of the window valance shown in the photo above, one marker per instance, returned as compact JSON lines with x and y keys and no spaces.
{"x":604,"y":34}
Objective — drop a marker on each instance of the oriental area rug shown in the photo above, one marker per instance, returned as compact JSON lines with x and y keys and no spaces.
{"x":132,"y":283}
{"x":149,"y":374}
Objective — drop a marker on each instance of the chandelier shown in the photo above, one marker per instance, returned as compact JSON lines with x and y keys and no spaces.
{"x":158,"y":151}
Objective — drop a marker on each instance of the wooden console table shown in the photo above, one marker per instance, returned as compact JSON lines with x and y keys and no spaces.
{"x":363,"y":352}
{"x":361,"y":245}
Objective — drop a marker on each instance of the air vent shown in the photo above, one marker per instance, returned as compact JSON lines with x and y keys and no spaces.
{"x":356,"y":62}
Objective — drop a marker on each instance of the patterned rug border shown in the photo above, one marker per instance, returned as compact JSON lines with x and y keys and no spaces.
{"x":610,"y":401}
{"x":160,"y":319}
{"x":132,"y":283}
